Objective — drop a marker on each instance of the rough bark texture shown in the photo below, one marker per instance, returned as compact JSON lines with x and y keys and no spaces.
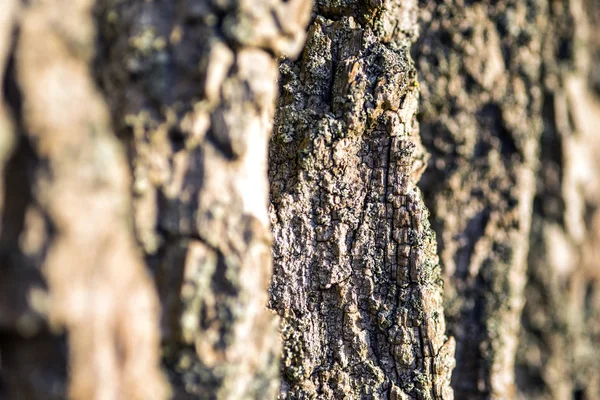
{"x":356,"y":279}
{"x":495,"y":78}
{"x":164,"y":169}
{"x":192,"y":87}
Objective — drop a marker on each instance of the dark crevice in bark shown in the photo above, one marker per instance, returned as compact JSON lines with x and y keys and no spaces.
{"x":17,"y":198}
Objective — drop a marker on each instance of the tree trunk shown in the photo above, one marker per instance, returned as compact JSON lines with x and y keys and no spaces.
{"x":66,"y":225}
{"x":500,"y":81}
{"x":481,"y":121}
{"x":192,"y":88}
{"x":558,"y":345}
{"x":356,"y":279}
{"x":139,"y":223}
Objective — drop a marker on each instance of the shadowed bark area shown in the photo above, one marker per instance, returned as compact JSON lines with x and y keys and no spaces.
{"x":192,"y":87}
{"x":559,"y":343}
{"x":356,"y":279}
{"x":480,"y":74}
{"x":500,"y":80}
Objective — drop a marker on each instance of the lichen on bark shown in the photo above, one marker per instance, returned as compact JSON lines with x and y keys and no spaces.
{"x":356,"y":278}
{"x":193,"y":86}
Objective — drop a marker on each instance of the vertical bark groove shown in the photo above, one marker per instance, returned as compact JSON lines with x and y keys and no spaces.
{"x":356,"y":279}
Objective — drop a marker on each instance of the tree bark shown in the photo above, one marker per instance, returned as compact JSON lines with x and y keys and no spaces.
{"x":66,"y":210}
{"x":356,"y":279}
{"x":494,"y":78}
{"x":134,"y":142}
{"x":480,"y":78}
{"x":192,"y":87}
{"x":560,"y":336}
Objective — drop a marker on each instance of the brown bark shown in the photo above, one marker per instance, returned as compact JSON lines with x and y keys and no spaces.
{"x":192,"y":87}
{"x":74,"y":231}
{"x":356,"y":278}
{"x":161,"y":172}
{"x":558,"y":345}
{"x":480,"y":76}
{"x":495,"y":76}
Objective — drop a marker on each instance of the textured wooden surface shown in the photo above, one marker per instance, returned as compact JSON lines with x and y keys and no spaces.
{"x":356,"y":278}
